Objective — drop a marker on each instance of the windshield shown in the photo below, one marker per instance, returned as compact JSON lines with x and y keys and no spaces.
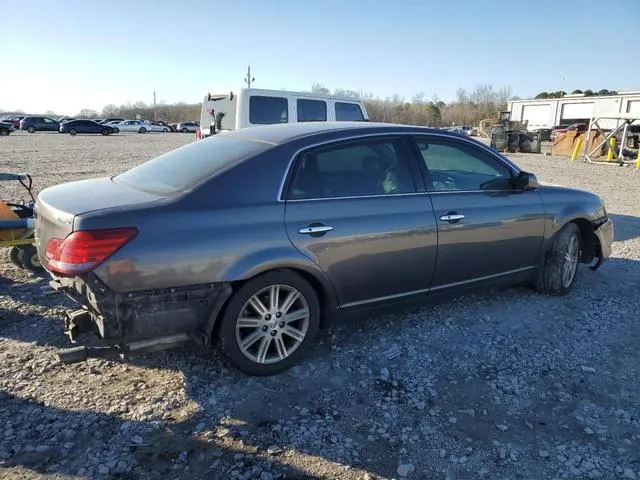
{"x":179,"y":169}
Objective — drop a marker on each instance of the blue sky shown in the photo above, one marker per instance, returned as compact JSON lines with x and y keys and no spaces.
{"x":64,"y":55}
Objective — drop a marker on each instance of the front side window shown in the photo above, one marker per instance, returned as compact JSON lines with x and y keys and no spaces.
{"x":348,"y":112}
{"x":456,"y":166}
{"x":353,"y":170}
{"x":268,"y":110}
{"x":311,"y":110}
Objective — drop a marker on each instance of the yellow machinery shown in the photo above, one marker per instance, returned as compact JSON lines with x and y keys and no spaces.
{"x":17,"y":224}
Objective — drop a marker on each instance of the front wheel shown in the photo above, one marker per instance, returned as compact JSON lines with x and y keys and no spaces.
{"x":185,"y":130}
{"x":73,"y":131}
{"x":270,"y":323}
{"x":31,"y":129}
{"x":142,"y":130}
{"x":559,"y":268}
{"x":165,"y":130}
{"x":105,"y":131}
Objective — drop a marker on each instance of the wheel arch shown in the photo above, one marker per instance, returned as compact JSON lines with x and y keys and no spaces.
{"x":589,"y":241}
{"x":308,"y":271}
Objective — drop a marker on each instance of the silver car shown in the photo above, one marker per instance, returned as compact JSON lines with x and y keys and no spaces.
{"x":259,"y":237}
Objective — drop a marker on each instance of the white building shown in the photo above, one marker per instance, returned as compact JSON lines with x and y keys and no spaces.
{"x":548,"y":112}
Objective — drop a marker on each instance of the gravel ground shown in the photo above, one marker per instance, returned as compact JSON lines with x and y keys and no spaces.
{"x":509,"y":385}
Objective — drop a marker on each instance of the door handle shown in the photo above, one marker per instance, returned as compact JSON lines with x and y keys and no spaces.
{"x":451,"y":217}
{"x":315,"y":229}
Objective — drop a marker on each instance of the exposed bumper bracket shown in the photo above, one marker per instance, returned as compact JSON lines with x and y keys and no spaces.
{"x":82,"y":353}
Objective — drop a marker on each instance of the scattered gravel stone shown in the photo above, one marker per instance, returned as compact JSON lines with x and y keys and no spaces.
{"x":629,"y":473}
{"x":405,"y":469}
{"x":274,"y":450}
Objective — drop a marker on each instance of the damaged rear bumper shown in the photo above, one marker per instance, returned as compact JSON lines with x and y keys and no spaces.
{"x":139,"y":322}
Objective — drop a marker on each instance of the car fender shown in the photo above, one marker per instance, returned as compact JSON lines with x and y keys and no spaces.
{"x":279,"y":257}
{"x":572,"y":212}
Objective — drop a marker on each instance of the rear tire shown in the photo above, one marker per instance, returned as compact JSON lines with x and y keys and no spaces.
{"x":105,"y":131}
{"x":269,"y":330}
{"x":31,"y":129}
{"x":185,"y":130}
{"x":142,"y":130}
{"x":28,"y":256}
{"x":559,"y":268}
{"x":73,"y":131}
{"x":14,"y":254}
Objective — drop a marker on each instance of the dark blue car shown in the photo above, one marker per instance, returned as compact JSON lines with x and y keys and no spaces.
{"x":85,"y":126}
{"x":42,"y":124}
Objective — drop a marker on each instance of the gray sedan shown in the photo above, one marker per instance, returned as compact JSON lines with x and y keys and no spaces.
{"x":258,"y":237}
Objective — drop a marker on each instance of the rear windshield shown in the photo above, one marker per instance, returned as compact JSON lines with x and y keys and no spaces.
{"x":177,"y":170}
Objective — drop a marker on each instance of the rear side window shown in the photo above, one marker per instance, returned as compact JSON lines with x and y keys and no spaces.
{"x":179,"y":169}
{"x":268,"y":110}
{"x":348,"y":112}
{"x":311,"y":110}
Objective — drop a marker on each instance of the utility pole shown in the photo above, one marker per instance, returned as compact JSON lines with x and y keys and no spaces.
{"x":249,"y":79}
{"x":154,"y":106}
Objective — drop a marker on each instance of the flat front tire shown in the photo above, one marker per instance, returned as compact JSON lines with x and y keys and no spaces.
{"x":270,"y":323}
{"x":559,"y":268}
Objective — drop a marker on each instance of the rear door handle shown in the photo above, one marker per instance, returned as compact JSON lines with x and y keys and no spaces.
{"x":451,"y":217}
{"x":315,"y":229}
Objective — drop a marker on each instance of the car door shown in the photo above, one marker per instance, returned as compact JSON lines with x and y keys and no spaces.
{"x":356,"y":210}
{"x":48,"y":124}
{"x":487,"y":229}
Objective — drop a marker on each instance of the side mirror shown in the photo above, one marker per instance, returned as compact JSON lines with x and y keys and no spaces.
{"x":526,"y":181}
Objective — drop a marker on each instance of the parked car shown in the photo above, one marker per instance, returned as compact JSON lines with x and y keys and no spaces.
{"x":39,"y":124}
{"x":158,"y":127}
{"x":13,"y":119}
{"x":457,"y":130}
{"x":469,"y":130}
{"x":559,"y":130}
{"x":74,"y":127}
{"x":186,"y":127}
{"x":170,"y":126}
{"x":137,"y":126}
{"x":261,"y":235}
{"x":6,"y":128}
{"x":114,"y":120}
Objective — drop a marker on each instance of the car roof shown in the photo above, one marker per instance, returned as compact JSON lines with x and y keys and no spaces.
{"x":285,"y":132}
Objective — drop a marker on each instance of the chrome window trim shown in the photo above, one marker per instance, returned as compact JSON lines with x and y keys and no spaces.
{"x":500,"y":158}
{"x":357,"y":197}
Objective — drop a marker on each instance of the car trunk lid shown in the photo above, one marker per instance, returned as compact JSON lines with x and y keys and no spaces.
{"x":57,"y":207}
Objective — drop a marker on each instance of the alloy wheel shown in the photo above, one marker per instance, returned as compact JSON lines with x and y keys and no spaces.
{"x":272,"y":324}
{"x":570,"y":261}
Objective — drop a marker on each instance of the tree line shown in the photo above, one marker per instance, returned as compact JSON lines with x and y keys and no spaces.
{"x":587,"y":93}
{"x":484,"y":101}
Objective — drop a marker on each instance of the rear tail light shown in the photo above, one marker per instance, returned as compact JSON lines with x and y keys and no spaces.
{"x":84,"y":250}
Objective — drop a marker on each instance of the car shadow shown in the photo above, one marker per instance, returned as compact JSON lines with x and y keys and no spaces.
{"x":236,"y":418}
{"x":626,"y":227}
